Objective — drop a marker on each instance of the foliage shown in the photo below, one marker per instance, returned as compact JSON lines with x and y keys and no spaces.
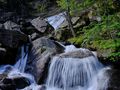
{"x":74,"y":5}
{"x":41,"y":7}
{"x":103,"y":35}
{"x":64,"y":4}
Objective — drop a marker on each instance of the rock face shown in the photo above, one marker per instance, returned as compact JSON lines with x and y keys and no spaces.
{"x":12,"y":38}
{"x":9,"y":25}
{"x":5,"y":16}
{"x":77,"y":54}
{"x":41,"y":53}
{"x":41,"y":25}
{"x":114,"y":83}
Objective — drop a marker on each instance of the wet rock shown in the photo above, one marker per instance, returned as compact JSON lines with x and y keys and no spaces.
{"x":1,"y":26}
{"x":26,"y":26}
{"x":21,"y":82}
{"x":35,"y":87}
{"x":34,"y":36}
{"x":12,"y":38}
{"x":2,"y":53}
{"x":62,"y":34}
{"x":42,"y":51}
{"x":5,"y":16}
{"x":9,"y":25}
{"x":81,"y":53}
{"x":114,"y":83}
{"x":9,"y":56}
{"x":14,"y":83}
{"x":74,"y":21}
{"x":41,"y":25}
{"x":2,"y":76}
{"x":7,"y":87}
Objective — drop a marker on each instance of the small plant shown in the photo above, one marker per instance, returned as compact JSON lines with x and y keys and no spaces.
{"x":41,"y":7}
{"x":72,"y":4}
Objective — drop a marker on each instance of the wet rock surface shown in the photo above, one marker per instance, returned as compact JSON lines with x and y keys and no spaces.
{"x":14,"y":83}
{"x":5,"y":16}
{"x":41,"y":25}
{"x":39,"y":57}
{"x":11,"y":38}
{"x":77,"y":54}
{"x":114,"y":83}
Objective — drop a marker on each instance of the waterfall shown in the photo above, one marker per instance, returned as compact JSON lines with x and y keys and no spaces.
{"x":75,"y":69}
{"x":22,"y":59}
{"x":18,"y":69}
{"x":68,"y":73}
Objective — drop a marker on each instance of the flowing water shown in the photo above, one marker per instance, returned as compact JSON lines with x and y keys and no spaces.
{"x":77,"y":73}
{"x":22,"y":59}
{"x":17,"y":70}
{"x":65,"y":73}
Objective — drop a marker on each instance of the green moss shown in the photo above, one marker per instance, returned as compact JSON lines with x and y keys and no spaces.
{"x":106,"y":44}
{"x":77,"y":40}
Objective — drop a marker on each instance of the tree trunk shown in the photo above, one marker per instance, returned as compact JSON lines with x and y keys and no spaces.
{"x":68,"y":17}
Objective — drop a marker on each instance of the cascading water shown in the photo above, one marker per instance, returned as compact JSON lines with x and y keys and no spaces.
{"x":66,"y":72}
{"x":77,"y":73}
{"x":17,"y":70}
{"x":22,"y":59}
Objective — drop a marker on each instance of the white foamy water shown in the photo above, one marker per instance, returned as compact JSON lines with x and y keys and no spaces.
{"x":77,"y":73}
{"x":21,"y":63}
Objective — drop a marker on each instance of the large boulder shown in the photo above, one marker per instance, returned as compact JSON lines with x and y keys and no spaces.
{"x":12,"y":38}
{"x":14,"y":83}
{"x":42,"y":26}
{"x":9,"y":25}
{"x":43,"y":49}
{"x":81,"y":53}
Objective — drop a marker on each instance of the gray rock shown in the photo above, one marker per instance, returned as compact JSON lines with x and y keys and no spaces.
{"x":1,"y":26}
{"x":77,"y":54}
{"x":14,"y":83}
{"x":42,"y":27}
{"x":42,"y":51}
{"x":74,"y":22}
{"x":2,"y":76}
{"x":9,"y":25}
{"x":5,"y":16}
{"x":34,"y":36}
{"x":12,"y":38}
{"x":39,"y":24}
{"x":2,"y":53}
